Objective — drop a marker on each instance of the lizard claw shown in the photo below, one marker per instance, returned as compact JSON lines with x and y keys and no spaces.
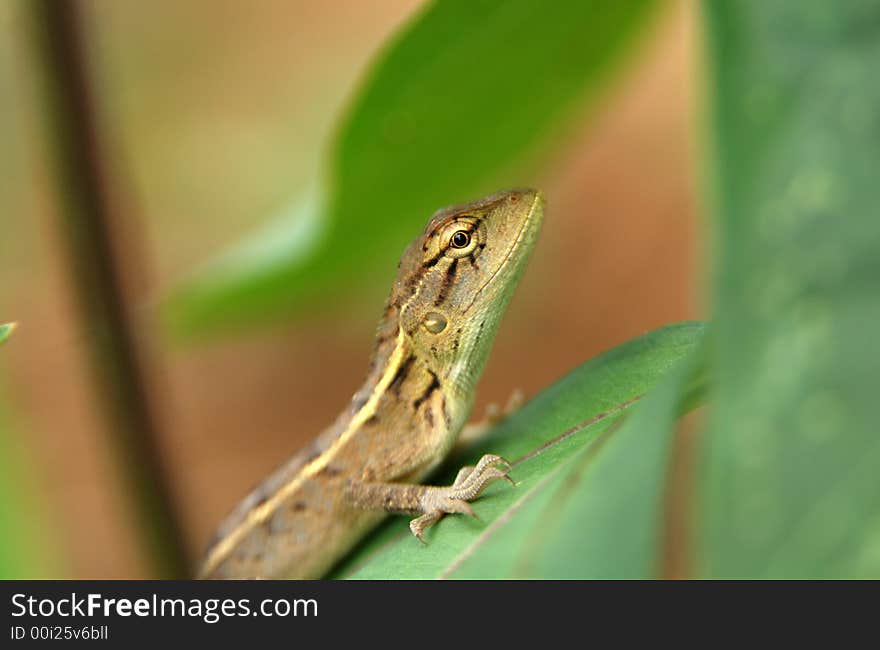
{"x":418,"y":525}
{"x":454,"y":499}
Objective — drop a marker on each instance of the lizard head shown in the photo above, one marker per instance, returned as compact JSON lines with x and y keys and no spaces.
{"x":457,"y":277}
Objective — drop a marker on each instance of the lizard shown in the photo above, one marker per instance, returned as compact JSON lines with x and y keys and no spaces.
{"x":453,"y":285}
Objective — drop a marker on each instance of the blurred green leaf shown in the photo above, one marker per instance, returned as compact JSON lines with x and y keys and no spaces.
{"x":462,"y":99}
{"x":789,"y":478}
{"x":6,"y":330}
{"x":570,"y":479}
{"x":25,"y":545}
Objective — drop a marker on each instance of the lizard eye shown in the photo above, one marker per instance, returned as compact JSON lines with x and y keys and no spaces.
{"x":460,"y":239}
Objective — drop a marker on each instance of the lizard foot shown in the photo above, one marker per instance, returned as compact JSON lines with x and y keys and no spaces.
{"x":495,"y":414}
{"x":470,"y":482}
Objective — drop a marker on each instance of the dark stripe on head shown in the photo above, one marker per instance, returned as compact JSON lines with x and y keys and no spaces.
{"x":448,"y":279}
{"x":434,"y":385}
{"x":433,"y":261}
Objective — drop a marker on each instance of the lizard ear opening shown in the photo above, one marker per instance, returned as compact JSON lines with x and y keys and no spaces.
{"x":434,"y":322}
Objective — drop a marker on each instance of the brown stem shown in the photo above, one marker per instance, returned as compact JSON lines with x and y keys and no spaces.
{"x":86,"y":218}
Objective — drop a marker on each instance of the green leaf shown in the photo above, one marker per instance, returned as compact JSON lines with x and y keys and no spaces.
{"x":553,"y":440}
{"x":26,"y":547}
{"x":789,"y":475}
{"x":572,"y":525}
{"x":459,"y":104}
{"x":6,"y":330}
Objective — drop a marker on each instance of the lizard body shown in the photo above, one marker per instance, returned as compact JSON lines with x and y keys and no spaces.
{"x":453,"y":284}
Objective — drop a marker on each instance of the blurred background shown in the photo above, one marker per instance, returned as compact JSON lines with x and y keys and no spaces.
{"x":212,"y":115}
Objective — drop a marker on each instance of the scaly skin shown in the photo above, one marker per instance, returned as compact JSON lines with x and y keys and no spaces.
{"x":453,"y":285}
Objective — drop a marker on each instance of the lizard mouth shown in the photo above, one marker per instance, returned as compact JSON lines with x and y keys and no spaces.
{"x":525,"y":234}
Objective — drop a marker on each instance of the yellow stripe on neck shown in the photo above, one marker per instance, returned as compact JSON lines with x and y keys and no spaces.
{"x":265,"y":509}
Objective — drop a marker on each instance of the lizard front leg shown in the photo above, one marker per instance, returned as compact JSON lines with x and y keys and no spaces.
{"x":473,"y":432}
{"x":430,"y":502}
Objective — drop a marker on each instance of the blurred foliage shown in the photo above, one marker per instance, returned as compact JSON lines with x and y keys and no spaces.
{"x":5,"y":330}
{"x":461,"y":101}
{"x":789,"y":484}
{"x":574,"y":471}
{"x":22,"y":550}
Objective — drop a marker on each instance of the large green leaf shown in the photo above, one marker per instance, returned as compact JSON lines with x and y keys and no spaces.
{"x":562,"y":491}
{"x":789,"y":479}
{"x":460,"y":101}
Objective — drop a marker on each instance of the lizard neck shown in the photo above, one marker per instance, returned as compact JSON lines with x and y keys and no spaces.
{"x":410,"y":385}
